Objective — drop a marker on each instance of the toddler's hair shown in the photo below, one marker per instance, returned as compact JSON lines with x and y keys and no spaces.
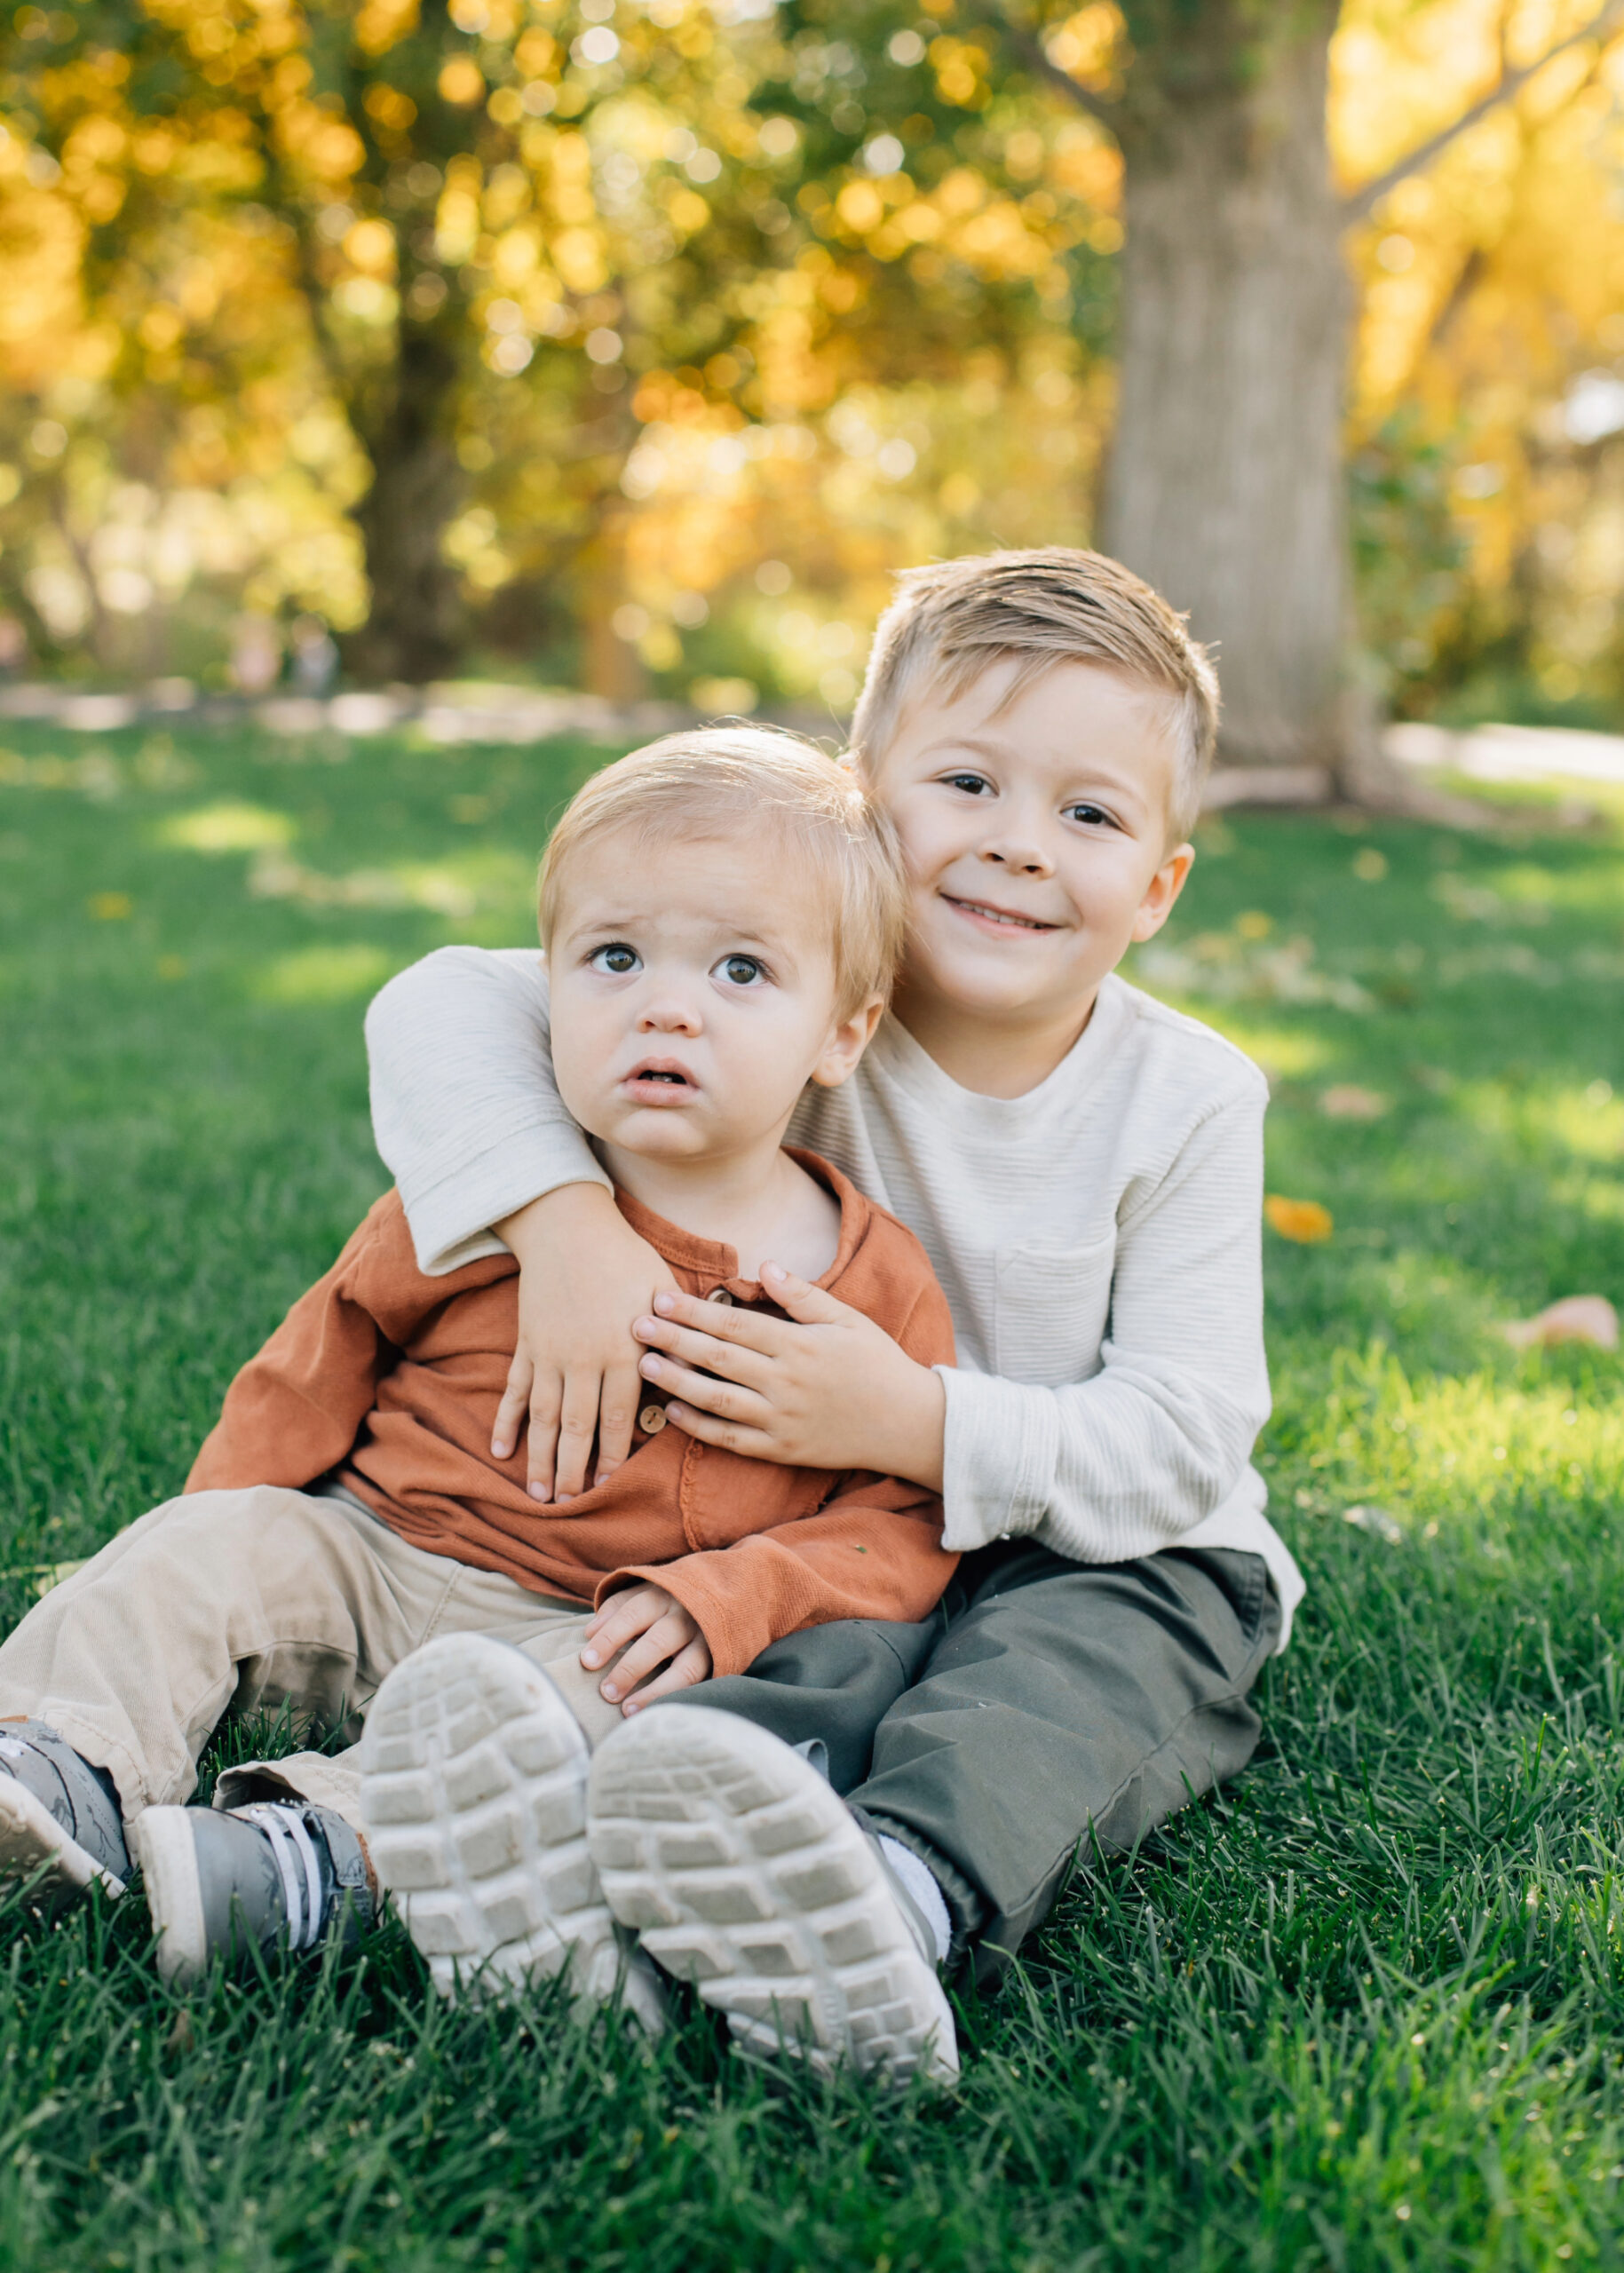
{"x":952,"y":619}
{"x":721,"y":782}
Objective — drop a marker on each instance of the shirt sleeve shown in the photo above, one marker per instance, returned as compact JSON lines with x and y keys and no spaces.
{"x":1125,"y":1463}
{"x":294,"y":1410}
{"x":873,"y":1551}
{"x":464,"y":1109}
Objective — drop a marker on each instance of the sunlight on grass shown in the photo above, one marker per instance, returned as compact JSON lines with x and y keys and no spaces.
{"x":231,"y":827}
{"x":1470,"y":1452}
{"x":335,"y":974}
{"x":1284,"y":1053}
{"x":1589,"y":1121}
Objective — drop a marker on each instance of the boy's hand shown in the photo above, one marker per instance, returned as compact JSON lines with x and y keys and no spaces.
{"x":826,"y":1387}
{"x":583,"y":1275}
{"x":669,"y":1637}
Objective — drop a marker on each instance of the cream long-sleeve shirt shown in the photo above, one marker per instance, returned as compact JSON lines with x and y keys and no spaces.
{"x":1098,"y":1240}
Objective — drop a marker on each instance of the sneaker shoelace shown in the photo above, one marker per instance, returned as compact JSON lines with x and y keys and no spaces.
{"x":297,"y":1866}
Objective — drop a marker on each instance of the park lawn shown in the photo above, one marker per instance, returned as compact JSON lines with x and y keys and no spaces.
{"x":1365,"y":2009}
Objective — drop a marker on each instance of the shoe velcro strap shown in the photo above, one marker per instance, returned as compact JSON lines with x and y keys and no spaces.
{"x":297,"y":1866}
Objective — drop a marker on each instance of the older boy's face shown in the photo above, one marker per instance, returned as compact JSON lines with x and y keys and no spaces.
{"x":1036,"y":840}
{"x":693,"y":996}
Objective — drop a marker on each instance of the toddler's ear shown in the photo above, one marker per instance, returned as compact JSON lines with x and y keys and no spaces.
{"x":1164,"y":889}
{"x":847,"y":1042}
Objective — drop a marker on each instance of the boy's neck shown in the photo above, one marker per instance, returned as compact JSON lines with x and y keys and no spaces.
{"x":758,"y":1201}
{"x":995,"y":1053}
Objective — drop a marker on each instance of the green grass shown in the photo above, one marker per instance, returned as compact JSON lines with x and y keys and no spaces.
{"x":1366,"y":2010}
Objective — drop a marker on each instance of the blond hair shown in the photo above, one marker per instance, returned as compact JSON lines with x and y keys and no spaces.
{"x":952,"y":619}
{"x":732,"y":781}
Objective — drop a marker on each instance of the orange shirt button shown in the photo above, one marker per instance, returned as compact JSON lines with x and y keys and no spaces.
{"x":719,"y":1294}
{"x":652,"y":1420}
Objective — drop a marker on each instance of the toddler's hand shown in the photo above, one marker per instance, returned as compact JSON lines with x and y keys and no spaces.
{"x":584,"y":1276}
{"x":669,"y":1637}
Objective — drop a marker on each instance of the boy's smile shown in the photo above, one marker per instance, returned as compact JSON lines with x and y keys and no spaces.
{"x":1035,"y":835}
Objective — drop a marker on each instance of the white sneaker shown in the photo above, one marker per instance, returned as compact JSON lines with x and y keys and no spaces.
{"x":474,"y":1794}
{"x":744,"y":1873}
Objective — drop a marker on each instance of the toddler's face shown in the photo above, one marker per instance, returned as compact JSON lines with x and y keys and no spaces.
{"x":1035,"y":837}
{"x":692,"y":994}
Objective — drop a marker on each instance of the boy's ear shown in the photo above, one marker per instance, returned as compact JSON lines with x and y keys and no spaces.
{"x":846,"y":1044}
{"x":1165,"y":887}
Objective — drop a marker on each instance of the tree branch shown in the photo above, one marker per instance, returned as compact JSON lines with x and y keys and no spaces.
{"x":1036,"y":56}
{"x":1360,"y":202}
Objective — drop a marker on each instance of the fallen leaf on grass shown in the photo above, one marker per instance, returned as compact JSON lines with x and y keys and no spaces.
{"x":1377,"y":1521}
{"x":1577,"y":1318}
{"x":1346,"y":1101}
{"x":1303,"y":1220}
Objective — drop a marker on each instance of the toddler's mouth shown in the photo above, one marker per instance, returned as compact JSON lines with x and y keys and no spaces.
{"x":661,"y":1079}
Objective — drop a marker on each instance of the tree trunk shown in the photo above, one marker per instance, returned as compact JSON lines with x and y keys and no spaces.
{"x":1225,"y":482}
{"x":411,"y":632}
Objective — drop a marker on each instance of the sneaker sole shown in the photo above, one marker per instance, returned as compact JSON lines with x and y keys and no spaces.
{"x":746,"y":1874}
{"x":31,"y":1838}
{"x":162,"y":1843}
{"x":473,"y":1795}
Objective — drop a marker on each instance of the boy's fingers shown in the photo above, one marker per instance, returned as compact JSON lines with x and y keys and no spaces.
{"x":514,"y":1405}
{"x":727,"y":1436}
{"x":545,"y":1392}
{"x":617,"y":1418}
{"x":725,"y":1398}
{"x":577,"y":1427}
{"x":734,"y":1361}
{"x":687,"y":1667}
{"x":807,"y":1304}
{"x":749,"y":1329}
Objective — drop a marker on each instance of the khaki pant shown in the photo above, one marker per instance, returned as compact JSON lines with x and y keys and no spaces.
{"x":230,"y":1601}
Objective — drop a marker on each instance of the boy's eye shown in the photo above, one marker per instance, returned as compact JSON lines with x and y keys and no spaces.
{"x":1092,"y":816}
{"x":740,"y":970}
{"x":616,"y":957}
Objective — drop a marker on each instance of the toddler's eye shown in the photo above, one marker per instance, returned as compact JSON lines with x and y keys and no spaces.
{"x":616,"y":957}
{"x":972,"y":784}
{"x":740,"y":970}
{"x":1092,"y":816}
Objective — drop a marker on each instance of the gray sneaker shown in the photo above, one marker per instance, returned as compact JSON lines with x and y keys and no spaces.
{"x":279,"y":1873}
{"x":742,"y":1872}
{"x":58,"y":1815}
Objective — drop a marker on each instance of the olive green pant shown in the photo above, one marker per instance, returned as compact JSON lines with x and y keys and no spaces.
{"x":1046,"y":1707}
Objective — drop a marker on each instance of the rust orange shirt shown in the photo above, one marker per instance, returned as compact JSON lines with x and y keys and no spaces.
{"x":389,"y":1381}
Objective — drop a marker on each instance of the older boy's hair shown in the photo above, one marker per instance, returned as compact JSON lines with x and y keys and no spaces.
{"x":952,"y":619}
{"x":717,"y":782}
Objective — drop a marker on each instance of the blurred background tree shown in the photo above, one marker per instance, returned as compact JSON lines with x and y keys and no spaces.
{"x":635,"y":343}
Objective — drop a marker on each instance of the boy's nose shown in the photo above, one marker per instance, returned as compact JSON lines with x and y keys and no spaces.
{"x":1022,"y":860}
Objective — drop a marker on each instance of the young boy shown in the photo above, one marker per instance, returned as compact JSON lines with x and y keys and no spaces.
{"x":723,"y":913}
{"x":1083,"y":1167}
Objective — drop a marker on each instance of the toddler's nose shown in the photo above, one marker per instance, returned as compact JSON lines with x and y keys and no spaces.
{"x":672,"y":1014}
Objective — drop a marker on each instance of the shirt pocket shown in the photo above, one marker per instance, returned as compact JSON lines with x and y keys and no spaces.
{"x":1053,"y":1307}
